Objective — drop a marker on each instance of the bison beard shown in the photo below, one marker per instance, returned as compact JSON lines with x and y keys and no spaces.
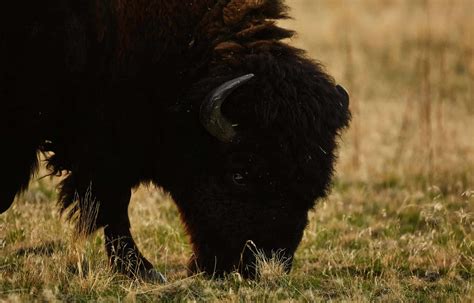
{"x":201,"y":97}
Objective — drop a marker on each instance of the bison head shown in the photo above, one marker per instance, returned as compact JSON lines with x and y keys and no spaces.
{"x":265,"y":152}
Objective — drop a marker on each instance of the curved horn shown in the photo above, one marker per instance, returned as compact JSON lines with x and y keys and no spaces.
{"x":210,"y":113}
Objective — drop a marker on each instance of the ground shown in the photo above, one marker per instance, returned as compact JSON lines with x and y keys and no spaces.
{"x":398,"y":225}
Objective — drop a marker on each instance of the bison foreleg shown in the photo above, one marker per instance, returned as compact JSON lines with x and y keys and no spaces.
{"x":125,"y":256}
{"x":102,"y":201}
{"x":122,"y":251}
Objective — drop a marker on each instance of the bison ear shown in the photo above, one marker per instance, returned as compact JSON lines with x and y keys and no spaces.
{"x":345,"y":96}
{"x":210,"y":112}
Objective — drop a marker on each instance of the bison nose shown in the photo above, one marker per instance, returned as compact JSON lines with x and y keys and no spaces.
{"x":343,"y":93}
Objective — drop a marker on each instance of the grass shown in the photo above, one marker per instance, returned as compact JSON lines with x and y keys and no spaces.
{"x":399,"y":223}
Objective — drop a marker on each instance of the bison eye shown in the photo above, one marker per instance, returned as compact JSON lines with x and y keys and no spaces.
{"x":239,"y":179}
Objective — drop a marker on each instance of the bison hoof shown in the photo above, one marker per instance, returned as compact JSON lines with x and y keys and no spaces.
{"x":153,"y":276}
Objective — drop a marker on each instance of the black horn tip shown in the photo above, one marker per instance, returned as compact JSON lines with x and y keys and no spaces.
{"x":246,"y":77}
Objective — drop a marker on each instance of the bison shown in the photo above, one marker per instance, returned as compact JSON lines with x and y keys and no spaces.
{"x":201,"y":97}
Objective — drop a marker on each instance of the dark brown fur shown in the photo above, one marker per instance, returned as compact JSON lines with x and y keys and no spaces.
{"x":111,"y":89}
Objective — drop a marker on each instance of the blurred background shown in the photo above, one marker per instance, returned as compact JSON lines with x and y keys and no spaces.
{"x":409,"y":68}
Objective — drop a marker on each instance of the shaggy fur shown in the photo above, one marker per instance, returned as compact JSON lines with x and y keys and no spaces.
{"x":111,"y":89}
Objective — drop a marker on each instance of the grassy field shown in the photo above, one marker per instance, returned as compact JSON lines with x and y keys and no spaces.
{"x":399,"y":223}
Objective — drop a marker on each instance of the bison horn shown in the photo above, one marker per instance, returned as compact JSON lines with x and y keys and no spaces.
{"x":210,"y":113}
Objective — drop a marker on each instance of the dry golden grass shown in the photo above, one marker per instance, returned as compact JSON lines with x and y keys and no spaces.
{"x":399,"y":223}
